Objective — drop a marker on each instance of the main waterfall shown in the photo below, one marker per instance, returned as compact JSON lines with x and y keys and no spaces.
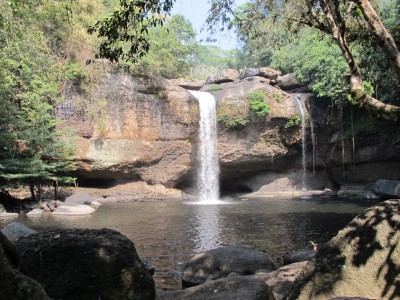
{"x":208,"y":171}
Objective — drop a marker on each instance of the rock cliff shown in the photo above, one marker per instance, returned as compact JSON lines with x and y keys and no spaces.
{"x":132,"y":128}
{"x":138,"y":128}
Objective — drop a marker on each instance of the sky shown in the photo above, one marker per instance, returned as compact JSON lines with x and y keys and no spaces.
{"x":196,"y":12}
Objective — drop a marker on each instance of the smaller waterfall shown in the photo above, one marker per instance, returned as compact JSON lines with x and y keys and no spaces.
{"x":208,"y":171}
{"x":303,"y":138}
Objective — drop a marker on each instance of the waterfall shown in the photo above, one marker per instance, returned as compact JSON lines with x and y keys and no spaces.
{"x":208,"y":170}
{"x":303,"y":138}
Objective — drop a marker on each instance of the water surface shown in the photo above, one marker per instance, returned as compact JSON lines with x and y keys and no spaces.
{"x":170,"y":232}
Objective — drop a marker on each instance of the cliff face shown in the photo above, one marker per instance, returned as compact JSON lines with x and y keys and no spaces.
{"x":364,"y":150}
{"x":135,"y":128}
{"x":132,"y":128}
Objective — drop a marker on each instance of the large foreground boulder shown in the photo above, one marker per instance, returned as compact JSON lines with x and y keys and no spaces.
{"x":232,"y":288}
{"x":86,"y":264}
{"x":363,"y":260}
{"x":220,"y":262}
{"x":13,"y":284}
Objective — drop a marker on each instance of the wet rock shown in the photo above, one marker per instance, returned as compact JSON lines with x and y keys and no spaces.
{"x":357,"y":191}
{"x":2,"y":209}
{"x":78,"y":209}
{"x":8,"y":215}
{"x":282,"y":280}
{"x":233,"y":288}
{"x":362,"y":260}
{"x":86,"y":264}
{"x":79,"y":198}
{"x":35,"y":212}
{"x":228,"y":75}
{"x":220,"y":262}
{"x":15,"y":230}
{"x":298,"y":256}
{"x":387,"y":188}
{"x":148,"y":265}
{"x":15,"y":285}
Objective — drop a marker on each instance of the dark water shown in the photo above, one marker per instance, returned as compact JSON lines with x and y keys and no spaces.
{"x":169,"y":233}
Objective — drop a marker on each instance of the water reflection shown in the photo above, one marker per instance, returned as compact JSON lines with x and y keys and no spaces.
{"x":207,"y":228}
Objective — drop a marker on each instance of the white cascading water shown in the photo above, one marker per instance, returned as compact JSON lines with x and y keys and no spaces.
{"x":303,"y":138}
{"x":208,"y":171}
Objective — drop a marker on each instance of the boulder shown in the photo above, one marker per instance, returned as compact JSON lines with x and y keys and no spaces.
{"x":232,"y":288}
{"x":265,"y":72}
{"x":78,"y":209}
{"x":15,"y":285}
{"x":35,"y":212}
{"x":15,"y":230}
{"x":220,"y":262}
{"x":189,"y":84}
{"x":298,"y":256}
{"x":228,"y":75}
{"x":86,"y":264}
{"x":2,"y":209}
{"x":79,"y":198}
{"x":362,"y":260}
{"x":357,"y":191}
{"x":282,"y":280}
{"x":288,"y":82}
{"x":387,"y":188}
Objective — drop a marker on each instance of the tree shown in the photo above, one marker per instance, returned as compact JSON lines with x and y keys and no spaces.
{"x":130,"y":23}
{"x":32,"y":149}
{"x":342,"y":21}
{"x":173,"y":49}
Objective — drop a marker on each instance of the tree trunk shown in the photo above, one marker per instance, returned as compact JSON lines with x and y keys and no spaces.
{"x":338,"y":32}
{"x":55,"y":184}
{"x":382,"y":36}
{"x":32,"y":189}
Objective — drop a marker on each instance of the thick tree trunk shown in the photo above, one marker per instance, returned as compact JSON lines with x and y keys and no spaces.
{"x":382,"y":36}
{"x":338,"y":32}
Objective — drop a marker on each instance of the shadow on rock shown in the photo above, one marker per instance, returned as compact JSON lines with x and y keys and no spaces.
{"x":363,"y":260}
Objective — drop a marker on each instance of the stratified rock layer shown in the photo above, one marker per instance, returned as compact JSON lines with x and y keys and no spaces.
{"x":133,"y":128}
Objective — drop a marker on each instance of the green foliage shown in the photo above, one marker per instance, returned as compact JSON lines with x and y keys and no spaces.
{"x":258,"y":104}
{"x":233,"y":123}
{"x":278,"y":96}
{"x":294,"y":121}
{"x":317,"y":63}
{"x":215,"y":88}
{"x":130,"y":23}
{"x":33,"y":150}
{"x":75,"y":73}
{"x":172,"y":51}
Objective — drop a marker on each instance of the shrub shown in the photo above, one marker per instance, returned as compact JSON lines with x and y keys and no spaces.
{"x":215,"y":88}
{"x":257,"y":103}
{"x":294,"y":121}
{"x":233,"y":123}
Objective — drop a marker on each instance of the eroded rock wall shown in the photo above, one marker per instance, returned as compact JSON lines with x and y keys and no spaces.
{"x":134,"y":128}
